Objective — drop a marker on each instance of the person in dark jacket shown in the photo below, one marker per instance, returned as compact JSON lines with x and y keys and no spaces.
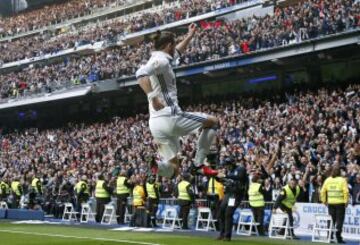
{"x":235,"y":181}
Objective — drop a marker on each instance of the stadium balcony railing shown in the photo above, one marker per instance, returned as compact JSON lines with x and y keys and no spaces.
{"x":94,"y":14}
{"x":348,"y":37}
{"x":136,"y":35}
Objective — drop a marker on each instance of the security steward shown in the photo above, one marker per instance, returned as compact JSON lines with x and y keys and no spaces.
{"x":235,"y":180}
{"x":82,"y":193}
{"x":139,"y":217}
{"x":185,"y":197}
{"x":102,"y":195}
{"x":153,"y":197}
{"x":335,"y":194}
{"x":215,"y":190}
{"x":286,"y":201}
{"x":4,"y":191}
{"x":17,"y":192}
{"x":257,"y":202}
{"x":36,"y":193}
{"x":123,"y":189}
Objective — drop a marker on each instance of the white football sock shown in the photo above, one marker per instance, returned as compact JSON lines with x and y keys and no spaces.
{"x":206,"y":139}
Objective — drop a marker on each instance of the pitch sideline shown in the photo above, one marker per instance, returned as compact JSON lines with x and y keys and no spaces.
{"x":76,"y":237}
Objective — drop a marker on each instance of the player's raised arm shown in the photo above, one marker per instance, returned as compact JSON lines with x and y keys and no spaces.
{"x":180,"y":47}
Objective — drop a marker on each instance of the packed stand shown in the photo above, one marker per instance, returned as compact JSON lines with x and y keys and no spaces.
{"x":113,"y":63}
{"x":217,"y":39}
{"x":39,"y":45}
{"x":297,"y":136}
{"x":49,"y":15}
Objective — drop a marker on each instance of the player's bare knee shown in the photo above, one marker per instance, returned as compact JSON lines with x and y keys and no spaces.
{"x":174,"y":161}
{"x":211,"y":122}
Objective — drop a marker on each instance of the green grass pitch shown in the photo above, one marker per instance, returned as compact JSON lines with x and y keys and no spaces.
{"x":15,"y":234}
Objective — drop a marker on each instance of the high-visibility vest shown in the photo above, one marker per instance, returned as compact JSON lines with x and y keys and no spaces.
{"x":218,"y":188}
{"x":100,"y":191}
{"x":183,"y":194}
{"x":256,"y":199}
{"x":5,"y":186}
{"x":150,"y":189}
{"x":290,"y":199}
{"x":79,"y":185}
{"x":335,"y":190}
{"x":34,"y":185}
{"x":15,"y":187}
{"x":138,"y":196}
{"x":121,"y":188}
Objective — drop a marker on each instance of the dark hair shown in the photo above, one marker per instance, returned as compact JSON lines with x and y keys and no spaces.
{"x":161,"y":39}
{"x":335,"y":172}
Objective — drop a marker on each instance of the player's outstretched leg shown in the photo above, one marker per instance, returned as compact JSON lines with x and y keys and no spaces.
{"x":169,"y":169}
{"x":206,"y":140}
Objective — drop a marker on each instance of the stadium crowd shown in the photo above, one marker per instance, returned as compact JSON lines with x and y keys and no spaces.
{"x":53,"y":14}
{"x":47,"y":43}
{"x":307,"y":20}
{"x":297,"y":136}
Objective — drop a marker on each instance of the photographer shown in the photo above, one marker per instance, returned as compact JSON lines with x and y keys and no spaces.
{"x":235,"y":181}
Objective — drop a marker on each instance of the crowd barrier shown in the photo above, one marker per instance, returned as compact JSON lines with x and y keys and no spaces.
{"x":21,"y":214}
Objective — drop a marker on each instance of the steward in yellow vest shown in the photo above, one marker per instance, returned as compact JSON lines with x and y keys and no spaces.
{"x":36,"y":193}
{"x":123,"y":190}
{"x":16,"y":188}
{"x":215,"y":188}
{"x":103,"y":196}
{"x":153,"y":196}
{"x":37,"y":186}
{"x":215,"y":194}
{"x":257,"y":203}
{"x":286,"y":201}
{"x":138,"y":196}
{"x":335,"y":193}
{"x":139,"y":217}
{"x":4,"y":191}
{"x":17,"y":191}
{"x":82,"y":193}
{"x":185,"y":196}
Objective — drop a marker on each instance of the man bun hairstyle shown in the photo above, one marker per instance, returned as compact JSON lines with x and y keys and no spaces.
{"x":161,"y":39}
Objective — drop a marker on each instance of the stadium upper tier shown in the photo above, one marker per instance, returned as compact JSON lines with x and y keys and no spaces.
{"x":52,"y":43}
{"x":53,"y":14}
{"x":215,"y":40}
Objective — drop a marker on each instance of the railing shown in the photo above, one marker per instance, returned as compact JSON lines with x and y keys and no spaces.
{"x":183,"y":70}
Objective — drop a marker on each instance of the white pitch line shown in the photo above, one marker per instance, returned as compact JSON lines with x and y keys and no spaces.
{"x":77,"y":237}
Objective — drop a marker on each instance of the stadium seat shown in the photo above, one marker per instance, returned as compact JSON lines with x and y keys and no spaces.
{"x":127,"y":217}
{"x":323,"y":230}
{"x":205,"y":221}
{"x":69,"y":212}
{"x":246,"y":224}
{"x":279,"y":222}
{"x":109,"y":216}
{"x":171,"y":219}
{"x":87,"y":214}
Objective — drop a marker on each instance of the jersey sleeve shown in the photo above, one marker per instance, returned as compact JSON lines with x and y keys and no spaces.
{"x":152,"y":67}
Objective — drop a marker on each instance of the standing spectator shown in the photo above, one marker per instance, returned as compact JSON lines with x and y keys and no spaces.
{"x":102,"y":194}
{"x":185,"y":197}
